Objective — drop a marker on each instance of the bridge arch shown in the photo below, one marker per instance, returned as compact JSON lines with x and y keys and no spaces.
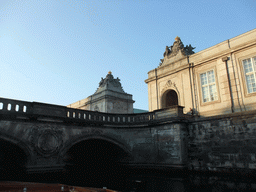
{"x":14,"y":141}
{"x":14,"y":157}
{"x":75,"y":141}
{"x":96,"y":161}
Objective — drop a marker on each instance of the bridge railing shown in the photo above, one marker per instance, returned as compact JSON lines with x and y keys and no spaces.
{"x":109,"y":117}
{"x":11,"y":106}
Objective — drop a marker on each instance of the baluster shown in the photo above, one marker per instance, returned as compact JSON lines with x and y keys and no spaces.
{"x":21,"y":108}
{"x":11,"y":106}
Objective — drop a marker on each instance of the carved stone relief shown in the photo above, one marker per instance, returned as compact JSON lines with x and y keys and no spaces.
{"x":178,"y":46}
{"x":46,"y":140}
{"x":169,"y":85}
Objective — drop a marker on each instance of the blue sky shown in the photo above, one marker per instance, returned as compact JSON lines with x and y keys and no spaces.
{"x":56,"y":51}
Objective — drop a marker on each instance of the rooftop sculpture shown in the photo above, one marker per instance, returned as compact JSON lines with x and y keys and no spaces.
{"x":110,"y":83}
{"x":172,"y":51}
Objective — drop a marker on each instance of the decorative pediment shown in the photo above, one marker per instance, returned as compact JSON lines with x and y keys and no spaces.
{"x":110,"y":83}
{"x":177,"y":49}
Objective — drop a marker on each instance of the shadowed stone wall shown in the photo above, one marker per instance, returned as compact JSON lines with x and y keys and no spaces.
{"x":46,"y":144}
{"x":223,"y":142}
{"x":46,"y":132}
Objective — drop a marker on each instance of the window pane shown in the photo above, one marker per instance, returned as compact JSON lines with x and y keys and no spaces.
{"x":203,"y":79}
{"x":250,"y":79}
{"x":213,"y":92}
{"x":247,"y":65}
{"x":205,"y":94}
{"x":211,"y":78}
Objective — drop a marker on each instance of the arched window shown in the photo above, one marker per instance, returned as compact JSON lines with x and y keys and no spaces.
{"x":169,"y":98}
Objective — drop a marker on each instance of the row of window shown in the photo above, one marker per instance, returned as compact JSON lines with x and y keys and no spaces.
{"x":208,"y":83}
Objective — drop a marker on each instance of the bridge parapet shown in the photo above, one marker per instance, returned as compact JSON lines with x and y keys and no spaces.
{"x":15,"y":106}
{"x":35,"y":109}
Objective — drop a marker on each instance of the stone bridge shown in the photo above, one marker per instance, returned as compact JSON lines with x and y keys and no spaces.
{"x":42,"y":137}
{"x":38,"y":138}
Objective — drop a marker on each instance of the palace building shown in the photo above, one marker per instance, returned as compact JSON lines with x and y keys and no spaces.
{"x":218,"y":80}
{"x":109,"y":98}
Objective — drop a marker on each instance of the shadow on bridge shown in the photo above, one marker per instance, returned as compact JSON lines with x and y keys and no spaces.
{"x":96,"y":163}
{"x":12,"y":161}
{"x":91,"y":163}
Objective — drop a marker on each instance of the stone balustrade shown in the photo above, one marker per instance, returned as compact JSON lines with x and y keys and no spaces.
{"x":35,"y":109}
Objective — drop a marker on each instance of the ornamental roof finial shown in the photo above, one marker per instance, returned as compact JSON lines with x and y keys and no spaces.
{"x":177,"y":38}
{"x":110,"y":72}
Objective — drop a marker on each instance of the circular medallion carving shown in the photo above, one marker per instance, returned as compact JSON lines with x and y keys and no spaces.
{"x":46,"y":139}
{"x":48,"y":142}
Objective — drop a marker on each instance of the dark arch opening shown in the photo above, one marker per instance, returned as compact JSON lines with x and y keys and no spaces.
{"x":169,"y":98}
{"x":13,"y":161}
{"x":96,"y":163}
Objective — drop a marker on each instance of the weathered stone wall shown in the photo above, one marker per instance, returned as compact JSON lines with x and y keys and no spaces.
{"x":47,"y":143}
{"x":223,"y":142}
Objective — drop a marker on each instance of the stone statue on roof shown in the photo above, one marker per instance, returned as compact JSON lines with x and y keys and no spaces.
{"x":110,"y":83}
{"x":177,"y":47}
{"x":189,"y":49}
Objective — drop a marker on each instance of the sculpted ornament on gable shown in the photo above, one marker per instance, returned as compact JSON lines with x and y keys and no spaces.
{"x":178,"y":46}
{"x":169,"y":85}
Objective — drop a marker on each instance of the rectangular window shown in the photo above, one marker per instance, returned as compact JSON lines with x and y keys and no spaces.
{"x":209,"y":91}
{"x":250,"y":74}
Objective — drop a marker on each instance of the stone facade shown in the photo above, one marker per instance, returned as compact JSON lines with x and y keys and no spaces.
{"x":45,"y":133}
{"x":214,"y":81}
{"x":109,"y":98}
{"x":223,"y":142}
